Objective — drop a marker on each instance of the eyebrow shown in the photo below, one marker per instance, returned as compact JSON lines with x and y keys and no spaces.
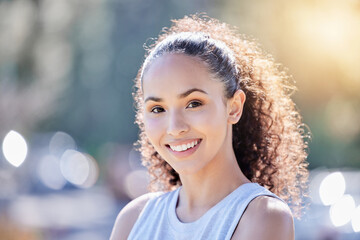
{"x":181,"y":95}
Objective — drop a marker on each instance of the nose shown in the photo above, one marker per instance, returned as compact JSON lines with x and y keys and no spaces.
{"x":177,"y":124}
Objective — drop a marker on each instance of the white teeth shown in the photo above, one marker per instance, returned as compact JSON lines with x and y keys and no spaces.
{"x":184,"y":147}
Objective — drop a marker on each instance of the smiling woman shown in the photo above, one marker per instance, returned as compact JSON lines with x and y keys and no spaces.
{"x":221,"y":139}
{"x":189,"y":112}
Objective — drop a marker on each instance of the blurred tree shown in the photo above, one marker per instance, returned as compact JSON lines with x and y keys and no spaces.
{"x":69,"y":65}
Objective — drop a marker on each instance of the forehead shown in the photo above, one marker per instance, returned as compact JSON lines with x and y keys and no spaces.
{"x":177,"y":72}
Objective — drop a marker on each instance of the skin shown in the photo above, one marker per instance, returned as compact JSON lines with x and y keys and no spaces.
{"x":184,"y":103}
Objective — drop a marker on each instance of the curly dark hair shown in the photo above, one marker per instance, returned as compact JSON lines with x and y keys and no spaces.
{"x":269,"y":141}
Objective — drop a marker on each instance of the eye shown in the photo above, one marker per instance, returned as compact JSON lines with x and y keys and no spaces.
{"x":194,"y":104}
{"x":157,"y":109}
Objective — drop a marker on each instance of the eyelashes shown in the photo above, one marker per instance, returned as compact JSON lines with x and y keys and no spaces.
{"x":157,"y":109}
{"x":192,"y":104}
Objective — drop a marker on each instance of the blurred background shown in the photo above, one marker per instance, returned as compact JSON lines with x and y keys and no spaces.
{"x":67,"y":163}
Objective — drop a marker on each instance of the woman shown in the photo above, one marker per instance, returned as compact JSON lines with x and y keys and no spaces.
{"x":220,"y":136}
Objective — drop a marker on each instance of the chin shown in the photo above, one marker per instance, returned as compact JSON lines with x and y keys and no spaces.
{"x":191,"y":169}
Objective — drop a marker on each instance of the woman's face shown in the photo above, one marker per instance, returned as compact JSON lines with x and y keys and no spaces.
{"x":185,"y":112}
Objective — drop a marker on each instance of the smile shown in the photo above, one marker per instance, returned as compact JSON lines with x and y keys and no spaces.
{"x":185,"y":148}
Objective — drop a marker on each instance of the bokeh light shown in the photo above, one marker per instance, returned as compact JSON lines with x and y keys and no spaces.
{"x":93,"y":172}
{"x":316,"y":179}
{"x":60,"y":142}
{"x":50,"y":174}
{"x":136,"y":183}
{"x":134,"y":159}
{"x":74,"y":167}
{"x":332,"y":188}
{"x":14,"y":148}
{"x":355,"y":221}
{"x":78,"y":168}
{"x":341,"y":211}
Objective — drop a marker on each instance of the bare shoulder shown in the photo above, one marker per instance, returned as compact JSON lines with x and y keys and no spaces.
{"x":128,"y":216}
{"x":266,"y":218}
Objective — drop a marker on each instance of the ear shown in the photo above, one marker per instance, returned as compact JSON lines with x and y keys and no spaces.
{"x":235,"y":106}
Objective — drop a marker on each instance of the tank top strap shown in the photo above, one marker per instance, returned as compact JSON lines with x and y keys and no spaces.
{"x":250,"y":191}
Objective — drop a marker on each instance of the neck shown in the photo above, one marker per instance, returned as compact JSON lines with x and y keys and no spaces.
{"x":205,"y":188}
{"x":210,"y":185}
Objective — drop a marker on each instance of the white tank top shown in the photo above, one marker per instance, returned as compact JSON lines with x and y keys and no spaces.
{"x":158,"y":219}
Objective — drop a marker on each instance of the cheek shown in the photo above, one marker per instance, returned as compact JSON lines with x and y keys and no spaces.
{"x":153,"y":128}
{"x":212,"y":118}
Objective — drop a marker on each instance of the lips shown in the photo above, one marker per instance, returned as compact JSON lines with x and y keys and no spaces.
{"x":184,"y":148}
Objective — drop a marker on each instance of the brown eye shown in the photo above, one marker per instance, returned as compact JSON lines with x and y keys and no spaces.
{"x":157,"y":109}
{"x":194,"y":104}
